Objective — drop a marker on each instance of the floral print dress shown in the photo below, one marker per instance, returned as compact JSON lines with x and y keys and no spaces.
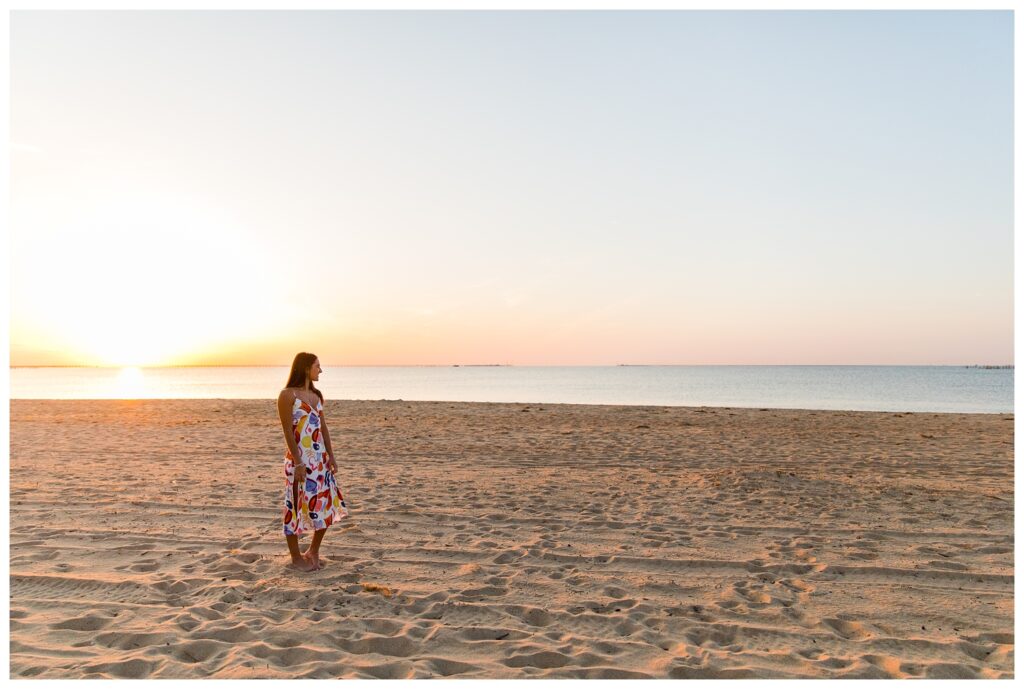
{"x":319,"y":503}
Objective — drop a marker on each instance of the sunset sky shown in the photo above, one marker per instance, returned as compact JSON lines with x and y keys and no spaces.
{"x":511,"y":187}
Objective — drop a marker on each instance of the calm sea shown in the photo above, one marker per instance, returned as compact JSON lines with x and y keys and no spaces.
{"x":862,"y":388}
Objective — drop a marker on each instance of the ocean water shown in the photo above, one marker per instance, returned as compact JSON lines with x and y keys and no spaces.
{"x":860,"y":388}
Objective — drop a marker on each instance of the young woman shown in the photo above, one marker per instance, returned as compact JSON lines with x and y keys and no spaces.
{"x":312,"y":499}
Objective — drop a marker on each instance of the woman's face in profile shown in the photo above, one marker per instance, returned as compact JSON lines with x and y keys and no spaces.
{"x":314,"y":370}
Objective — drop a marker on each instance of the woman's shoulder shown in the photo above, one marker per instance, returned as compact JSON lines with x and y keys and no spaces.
{"x":295,"y":393}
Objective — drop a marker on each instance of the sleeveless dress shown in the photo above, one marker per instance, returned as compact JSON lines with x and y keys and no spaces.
{"x":319,"y":503}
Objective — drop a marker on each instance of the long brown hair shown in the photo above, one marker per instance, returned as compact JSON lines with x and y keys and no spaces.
{"x":299,"y":375}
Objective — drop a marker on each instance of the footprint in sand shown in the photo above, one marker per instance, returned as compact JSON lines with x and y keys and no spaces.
{"x":481,"y":593}
{"x":187,"y":622}
{"x":128,"y":641}
{"x":509,"y":556}
{"x":733,"y":606}
{"x":543,"y":659}
{"x":834,"y":663}
{"x":954,"y":566}
{"x":535,"y":617}
{"x":797,"y":585}
{"x":87,"y":623}
{"x":145,"y":566}
{"x":490,"y":634}
{"x":199,"y":651}
{"x":129,"y":669}
{"x":719,"y":635}
{"x":177,"y":586}
{"x":846,"y":629}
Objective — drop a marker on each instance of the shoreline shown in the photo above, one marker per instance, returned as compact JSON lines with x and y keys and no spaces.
{"x":547,"y":404}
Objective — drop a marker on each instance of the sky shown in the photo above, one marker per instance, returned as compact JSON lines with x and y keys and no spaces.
{"x":526,"y":188}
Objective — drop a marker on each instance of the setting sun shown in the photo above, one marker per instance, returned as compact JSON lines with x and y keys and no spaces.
{"x":158,"y":279}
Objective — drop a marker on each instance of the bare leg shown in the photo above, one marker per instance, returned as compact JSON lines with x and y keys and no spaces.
{"x":313,"y":553}
{"x":298,"y":561}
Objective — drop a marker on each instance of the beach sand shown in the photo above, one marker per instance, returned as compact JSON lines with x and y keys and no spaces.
{"x":513,"y":540}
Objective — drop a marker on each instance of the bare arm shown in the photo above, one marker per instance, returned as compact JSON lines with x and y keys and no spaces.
{"x":284,"y":409}
{"x":327,"y":441}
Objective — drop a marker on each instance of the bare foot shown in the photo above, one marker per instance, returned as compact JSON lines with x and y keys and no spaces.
{"x":303,"y":565}
{"x":313,"y":559}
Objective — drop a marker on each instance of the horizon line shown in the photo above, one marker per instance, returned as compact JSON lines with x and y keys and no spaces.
{"x":975,"y":365}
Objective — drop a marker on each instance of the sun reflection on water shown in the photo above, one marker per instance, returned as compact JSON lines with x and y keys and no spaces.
{"x":131,"y":384}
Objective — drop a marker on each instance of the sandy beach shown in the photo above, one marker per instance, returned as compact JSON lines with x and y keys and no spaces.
{"x":513,"y":541}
